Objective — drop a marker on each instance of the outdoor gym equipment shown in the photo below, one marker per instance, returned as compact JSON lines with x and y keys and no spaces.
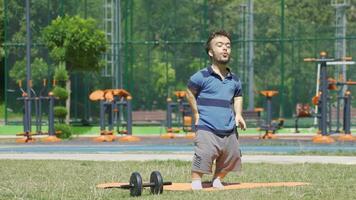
{"x":322,"y":97}
{"x":112,"y":101}
{"x":270,"y":126}
{"x":347,"y":114}
{"x":183,"y":113}
{"x":346,"y":98}
{"x":136,"y":185}
{"x":333,"y":85}
{"x":37,"y":99}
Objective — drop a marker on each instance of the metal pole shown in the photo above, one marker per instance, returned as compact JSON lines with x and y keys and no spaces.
{"x":40,"y":113}
{"x":205,"y":25}
{"x":126,"y":35}
{"x":28,"y":64}
{"x":340,"y":51}
{"x":129,"y":115}
{"x":102,"y":116}
{"x":329,"y":120}
{"x":169,"y":114}
{"x":338,"y":99}
{"x":324,"y":96}
{"x":347,"y":113}
{"x":269,"y":112}
{"x":25,"y":116}
{"x":6,"y":68}
{"x":119,"y":82}
{"x":51,"y":131}
{"x":317,"y":93}
{"x":37,"y":114}
{"x":281,"y":90}
{"x":111,"y":115}
{"x":251,"y":86}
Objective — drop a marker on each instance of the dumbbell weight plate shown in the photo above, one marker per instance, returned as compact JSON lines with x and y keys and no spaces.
{"x":136,"y":184}
{"x":157,"y":181}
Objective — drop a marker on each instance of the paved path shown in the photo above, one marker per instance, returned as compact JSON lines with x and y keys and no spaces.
{"x":277,"y":159}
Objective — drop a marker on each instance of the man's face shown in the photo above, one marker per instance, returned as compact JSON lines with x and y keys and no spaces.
{"x":220,"y":49}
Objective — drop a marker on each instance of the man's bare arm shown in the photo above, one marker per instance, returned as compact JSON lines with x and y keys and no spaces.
{"x":238,"y":102}
{"x":193,"y":104}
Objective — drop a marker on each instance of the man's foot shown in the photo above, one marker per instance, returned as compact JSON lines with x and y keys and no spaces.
{"x":196,"y":184}
{"x":217,"y":183}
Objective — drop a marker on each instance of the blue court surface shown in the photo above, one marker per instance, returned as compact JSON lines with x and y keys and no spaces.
{"x":122,"y":148}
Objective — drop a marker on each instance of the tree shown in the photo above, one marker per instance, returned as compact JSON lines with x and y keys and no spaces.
{"x":39,"y":70}
{"x":76,"y":44}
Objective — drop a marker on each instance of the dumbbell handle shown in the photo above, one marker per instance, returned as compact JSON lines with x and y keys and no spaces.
{"x":128,"y":186}
{"x":153,"y":184}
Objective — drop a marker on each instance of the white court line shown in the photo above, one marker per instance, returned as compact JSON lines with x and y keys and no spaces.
{"x":277,"y":159}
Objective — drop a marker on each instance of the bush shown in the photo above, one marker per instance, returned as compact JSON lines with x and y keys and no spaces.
{"x":66,"y":130}
{"x":60,"y":92}
{"x":61,"y":73}
{"x":60,"y":112}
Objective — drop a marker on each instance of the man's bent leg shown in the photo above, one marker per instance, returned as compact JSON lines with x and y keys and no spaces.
{"x":230,"y":160}
{"x":205,"y":153}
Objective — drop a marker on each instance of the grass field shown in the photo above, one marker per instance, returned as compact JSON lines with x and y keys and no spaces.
{"x":77,"y":180}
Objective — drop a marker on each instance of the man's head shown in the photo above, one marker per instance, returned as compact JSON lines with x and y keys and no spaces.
{"x":218,"y":47}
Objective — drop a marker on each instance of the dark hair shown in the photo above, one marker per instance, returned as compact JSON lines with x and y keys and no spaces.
{"x":213,"y":35}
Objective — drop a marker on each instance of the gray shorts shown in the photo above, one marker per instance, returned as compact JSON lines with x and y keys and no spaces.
{"x":225,"y":151}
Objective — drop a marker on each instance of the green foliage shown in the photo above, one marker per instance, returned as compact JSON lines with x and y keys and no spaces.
{"x":158,"y":90}
{"x":60,"y":73}
{"x":60,"y":112}
{"x":1,"y":29}
{"x":164,"y":75}
{"x":66,"y":130}
{"x":39,"y":70}
{"x":60,"y":92}
{"x":157,"y":34}
{"x":2,"y":110}
{"x":75,"y":41}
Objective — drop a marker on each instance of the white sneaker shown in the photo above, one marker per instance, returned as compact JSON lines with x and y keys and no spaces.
{"x":217,"y":183}
{"x":196,"y":184}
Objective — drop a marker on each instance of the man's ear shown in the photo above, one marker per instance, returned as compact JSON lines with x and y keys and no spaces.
{"x":210,"y":52}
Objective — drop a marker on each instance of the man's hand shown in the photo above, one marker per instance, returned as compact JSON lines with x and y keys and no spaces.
{"x":196,"y":117}
{"x":239,"y":120}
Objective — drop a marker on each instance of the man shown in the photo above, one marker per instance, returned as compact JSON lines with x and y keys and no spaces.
{"x":215,"y":96}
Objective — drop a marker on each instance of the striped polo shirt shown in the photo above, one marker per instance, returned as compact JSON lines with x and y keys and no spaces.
{"x":214,"y":98}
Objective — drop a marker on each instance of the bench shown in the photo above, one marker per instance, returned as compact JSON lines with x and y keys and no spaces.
{"x":158,"y":117}
{"x":154,"y":117}
{"x":252,"y":117}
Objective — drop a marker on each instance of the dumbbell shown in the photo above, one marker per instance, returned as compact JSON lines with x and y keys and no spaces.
{"x":135,"y":185}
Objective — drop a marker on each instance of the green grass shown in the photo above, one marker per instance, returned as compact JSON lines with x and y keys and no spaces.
{"x":82,"y":130}
{"x":77,"y":180}
{"x":140,"y":130}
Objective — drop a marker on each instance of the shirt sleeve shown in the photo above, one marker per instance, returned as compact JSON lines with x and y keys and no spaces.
{"x":195,"y":82}
{"x":238,"y":89}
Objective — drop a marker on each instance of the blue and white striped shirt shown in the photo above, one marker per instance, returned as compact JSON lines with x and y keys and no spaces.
{"x":215,"y":100}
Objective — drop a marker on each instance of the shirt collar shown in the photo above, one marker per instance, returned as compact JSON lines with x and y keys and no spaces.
{"x":211,"y":71}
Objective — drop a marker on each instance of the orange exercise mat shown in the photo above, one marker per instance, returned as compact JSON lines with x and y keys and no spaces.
{"x":208,"y":187}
